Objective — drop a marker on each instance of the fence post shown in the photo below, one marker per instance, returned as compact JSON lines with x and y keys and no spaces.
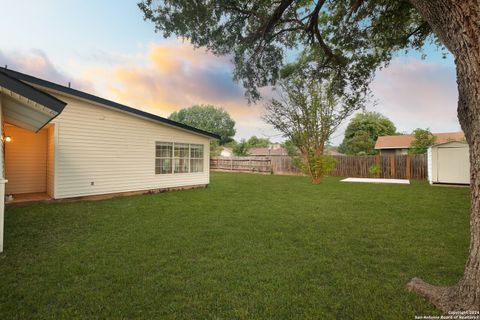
{"x":407,"y":167}
{"x":393,"y":166}
{"x":231,"y":164}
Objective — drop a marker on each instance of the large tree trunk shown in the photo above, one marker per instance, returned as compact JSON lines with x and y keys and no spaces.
{"x":457,"y":24}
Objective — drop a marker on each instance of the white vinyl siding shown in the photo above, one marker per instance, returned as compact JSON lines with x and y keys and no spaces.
{"x":101,"y":150}
{"x":50,"y":160}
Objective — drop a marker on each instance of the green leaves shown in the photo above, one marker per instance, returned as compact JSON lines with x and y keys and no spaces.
{"x":362,"y":133}
{"x":208,"y":118}
{"x":349,"y":41}
{"x":307,"y":113}
{"x":423,"y":140}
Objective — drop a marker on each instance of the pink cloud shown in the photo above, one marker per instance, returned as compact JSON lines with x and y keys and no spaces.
{"x":36,"y":63}
{"x":416,"y":93}
{"x":176,"y":75}
{"x":162,"y":78}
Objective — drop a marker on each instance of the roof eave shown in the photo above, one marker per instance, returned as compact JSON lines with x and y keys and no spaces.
{"x":104,"y":102}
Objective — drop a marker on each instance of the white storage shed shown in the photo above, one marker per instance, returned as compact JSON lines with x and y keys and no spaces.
{"x":449,"y":163}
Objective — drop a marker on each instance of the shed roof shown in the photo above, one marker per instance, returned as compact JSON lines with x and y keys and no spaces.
{"x":458,"y":142}
{"x":280,"y":151}
{"x":86,"y":96}
{"x":404,"y":141}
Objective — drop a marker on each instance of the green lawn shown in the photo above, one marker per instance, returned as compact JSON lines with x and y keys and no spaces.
{"x":247,"y":247}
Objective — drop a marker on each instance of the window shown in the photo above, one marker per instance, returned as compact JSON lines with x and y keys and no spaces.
{"x":196,"y":158}
{"x":181,"y":158}
{"x":163,"y":157}
{"x":173,"y":157}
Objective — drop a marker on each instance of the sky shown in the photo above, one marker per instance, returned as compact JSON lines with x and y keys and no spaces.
{"x":107,"y":49}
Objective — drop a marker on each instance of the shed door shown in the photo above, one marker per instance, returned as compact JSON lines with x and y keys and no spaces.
{"x":453,"y":165}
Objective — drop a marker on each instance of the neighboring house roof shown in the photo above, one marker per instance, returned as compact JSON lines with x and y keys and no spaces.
{"x":332,"y":152}
{"x":26,"y":105}
{"x":227,"y":149}
{"x":267,"y":151}
{"x":83,"y":95}
{"x":404,"y":141}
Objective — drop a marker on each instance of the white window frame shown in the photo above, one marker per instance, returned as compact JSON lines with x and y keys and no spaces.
{"x":197,"y":158}
{"x":157,"y":143}
{"x":173,"y":158}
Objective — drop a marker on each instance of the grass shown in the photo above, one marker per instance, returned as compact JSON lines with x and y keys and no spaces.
{"x":247,"y":247}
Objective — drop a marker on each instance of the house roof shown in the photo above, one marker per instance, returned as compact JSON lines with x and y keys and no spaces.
{"x":27,"y":106}
{"x":90,"y":97}
{"x":267,"y":151}
{"x":404,"y":141}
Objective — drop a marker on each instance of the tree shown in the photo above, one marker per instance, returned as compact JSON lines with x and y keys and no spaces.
{"x":255,"y":142}
{"x":241,"y":148}
{"x":362,"y":132}
{"x":307,"y":113}
{"x":208,"y":118}
{"x":292,"y":150}
{"x":423,"y":140}
{"x":352,"y":38}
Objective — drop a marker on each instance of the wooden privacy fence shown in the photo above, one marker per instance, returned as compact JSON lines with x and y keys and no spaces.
{"x":242,"y":164}
{"x":391,"y":166}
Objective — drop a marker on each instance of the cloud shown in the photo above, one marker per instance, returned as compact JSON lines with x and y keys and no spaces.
{"x":415,"y":93}
{"x":162,"y":78}
{"x":36,"y":63}
{"x":159,"y":78}
{"x":174,"y":75}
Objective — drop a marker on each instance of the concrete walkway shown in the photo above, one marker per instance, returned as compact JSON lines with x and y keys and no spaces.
{"x":377,"y":180}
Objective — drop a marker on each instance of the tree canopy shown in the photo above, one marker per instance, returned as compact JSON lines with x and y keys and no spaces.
{"x":362,"y":133}
{"x":241,"y":148}
{"x":349,"y":38}
{"x":208,"y":118}
{"x":422,"y":141}
{"x":256,"y":142}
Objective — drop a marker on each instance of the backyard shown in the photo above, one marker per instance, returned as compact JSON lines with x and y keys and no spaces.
{"x":248,"y":247}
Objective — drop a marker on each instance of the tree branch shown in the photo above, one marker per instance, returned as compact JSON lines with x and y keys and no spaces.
{"x":276,"y":16}
{"x":353,"y":8}
{"x":422,"y":26}
{"x":315,"y":31}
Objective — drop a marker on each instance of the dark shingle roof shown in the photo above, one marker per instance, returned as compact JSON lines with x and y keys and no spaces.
{"x":25,"y":90}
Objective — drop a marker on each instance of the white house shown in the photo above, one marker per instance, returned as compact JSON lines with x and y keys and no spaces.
{"x":449,"y":162}
{"x":226,"y":152}
{"x":60,"y":143}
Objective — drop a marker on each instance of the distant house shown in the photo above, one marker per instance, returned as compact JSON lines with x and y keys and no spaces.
{"x":271,"y":150}
{"x":333,"y":151}
{"x":226,"y":152}
{"x":400,"y":144}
